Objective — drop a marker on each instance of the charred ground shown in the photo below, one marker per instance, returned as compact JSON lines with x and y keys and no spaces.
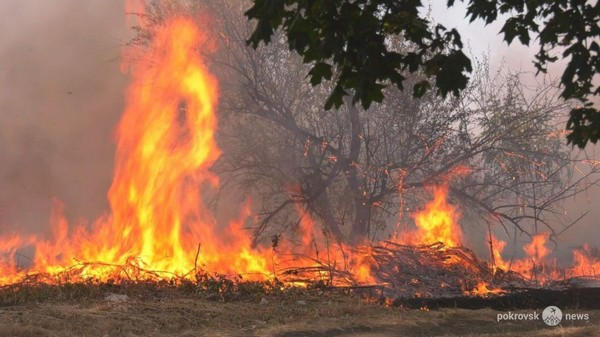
{"x":252,"y":309}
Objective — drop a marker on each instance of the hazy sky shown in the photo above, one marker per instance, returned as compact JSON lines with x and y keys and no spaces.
{"x":62,"y":93}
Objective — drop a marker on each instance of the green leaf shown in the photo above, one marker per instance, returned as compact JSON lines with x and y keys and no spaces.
{"x":335,"y":98}
{"x":352,"y":36}
{"x":318,"y":72}
{"x":584,"y":126}
{"x":420,"y":88}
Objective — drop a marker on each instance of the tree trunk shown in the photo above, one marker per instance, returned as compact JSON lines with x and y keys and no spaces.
{"x":362,"y":212}
{"x":360,"y":226}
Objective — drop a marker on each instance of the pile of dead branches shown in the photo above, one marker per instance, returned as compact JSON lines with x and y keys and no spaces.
{"x":400,"y":270}
{"x":435,"y":270}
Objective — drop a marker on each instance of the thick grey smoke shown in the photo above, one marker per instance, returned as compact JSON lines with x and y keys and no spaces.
{"x":62,"y":93}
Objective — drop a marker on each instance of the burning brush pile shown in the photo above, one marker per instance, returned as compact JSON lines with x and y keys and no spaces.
{"x":159,"y":229}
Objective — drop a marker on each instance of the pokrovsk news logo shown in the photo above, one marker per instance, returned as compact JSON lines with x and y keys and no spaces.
{"x":551,"y":316}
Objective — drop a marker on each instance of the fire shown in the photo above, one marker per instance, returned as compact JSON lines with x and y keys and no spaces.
{"x":482,"y":289}
{"x":314,"y":242}
{"x":158,"y":226}
{"x":164,"y":151}
{"x":537,"y":249}
{"x":438,"y":222}
{"x":584,"y":263}
{"x":533,"y":264}
{"x":497,"y":248}
{"x":537,"y":264}
{"x":158,"y":222}
{"x":165,"y":148}
{"x":165,"y":143}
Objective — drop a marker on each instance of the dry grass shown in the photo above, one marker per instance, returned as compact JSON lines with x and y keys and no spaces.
{"x":220,"y":308}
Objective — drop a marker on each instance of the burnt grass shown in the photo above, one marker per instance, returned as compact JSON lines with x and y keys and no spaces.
{"x":222,"y":289}
{"x":575,"y":298}
{"x":207,"y":287}
{"x":218,"y":306}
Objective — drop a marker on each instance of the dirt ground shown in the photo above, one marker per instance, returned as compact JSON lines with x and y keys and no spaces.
{"x":312,"y":316}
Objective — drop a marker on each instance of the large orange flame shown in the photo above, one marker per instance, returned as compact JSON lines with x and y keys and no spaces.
{"x":165,"y":148}
{"x":438,"y":222}
{"x":159,"y":226}
{"x":158,"y":222}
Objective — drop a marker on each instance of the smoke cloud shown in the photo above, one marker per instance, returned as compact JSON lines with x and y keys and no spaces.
{"x":61,"y":98}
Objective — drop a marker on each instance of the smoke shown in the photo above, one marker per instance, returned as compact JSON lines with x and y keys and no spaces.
{"x":486,"y":40}
{"x":61,"y":98}
{"x":63,"y":94}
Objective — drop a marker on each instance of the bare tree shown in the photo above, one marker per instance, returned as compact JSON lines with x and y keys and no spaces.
{"x":358,"y":171}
